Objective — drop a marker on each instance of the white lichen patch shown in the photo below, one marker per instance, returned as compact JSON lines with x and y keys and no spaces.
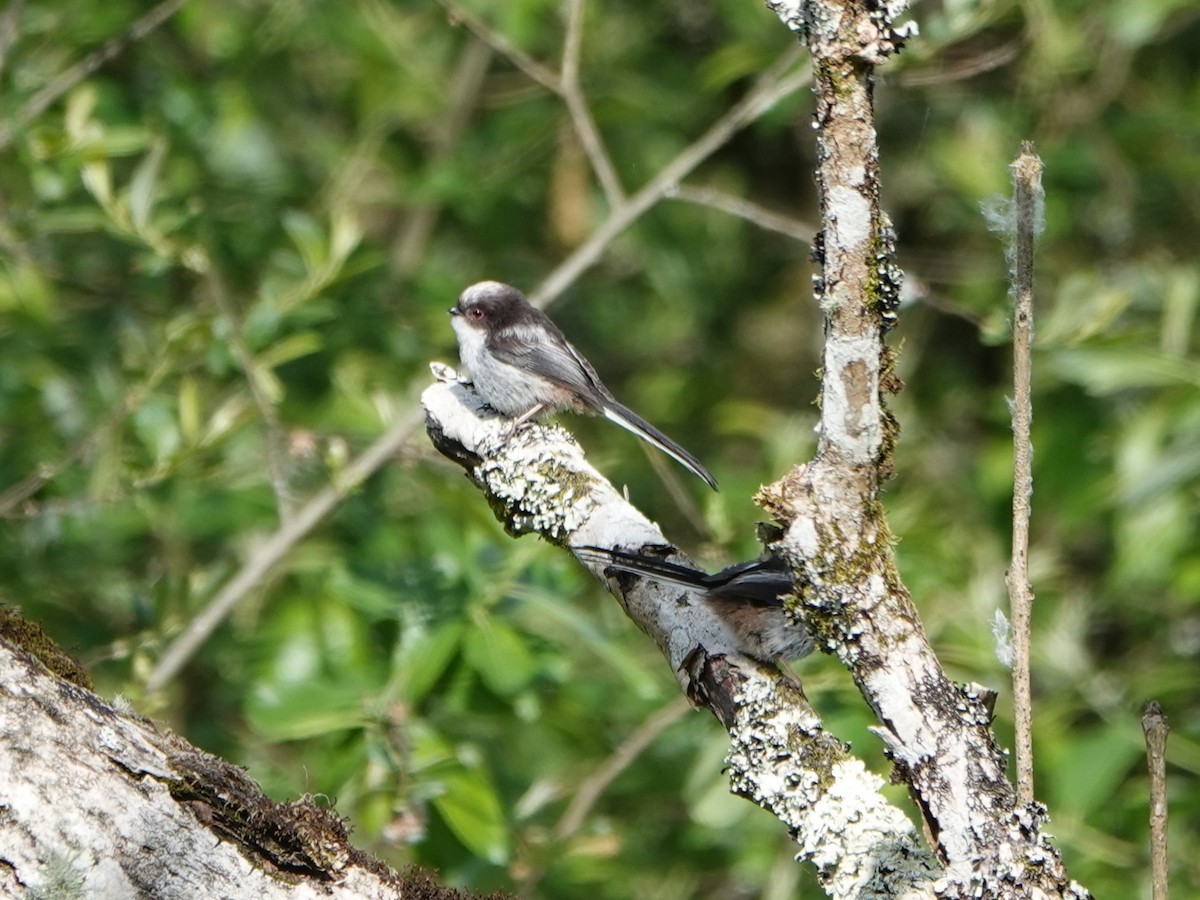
{"x":850,"y":402}
{"x":850,"y":219}
{"x":780,"y":759}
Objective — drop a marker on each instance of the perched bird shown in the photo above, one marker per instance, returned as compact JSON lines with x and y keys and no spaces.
{"x":523,"y":366}
{"x":748,"y":597}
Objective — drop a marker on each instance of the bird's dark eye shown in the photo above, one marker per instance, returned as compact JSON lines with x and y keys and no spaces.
{"x":475,"y":313}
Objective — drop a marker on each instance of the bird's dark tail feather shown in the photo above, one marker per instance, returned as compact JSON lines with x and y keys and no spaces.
{"x":631,"y":421}
{"x":648,"y":566}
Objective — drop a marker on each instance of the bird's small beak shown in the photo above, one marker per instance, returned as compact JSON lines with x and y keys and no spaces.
{"x":454,"y":311}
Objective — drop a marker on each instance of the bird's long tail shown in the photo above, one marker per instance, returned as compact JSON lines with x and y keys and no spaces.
{"x":631,"y":421}
{"x":647,"y":566}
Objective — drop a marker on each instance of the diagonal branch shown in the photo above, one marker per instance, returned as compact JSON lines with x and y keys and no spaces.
{"x":256,"y":569}
{"x":774,"y":85}
{"x":9,"y":25}
{"x":781,"y":758}
{"x":503,"y":46}
{"x":48,"y":95}
{"x":745,"y":209}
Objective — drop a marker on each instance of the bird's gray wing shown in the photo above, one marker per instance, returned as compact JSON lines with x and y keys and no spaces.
{"x":544,"y":351}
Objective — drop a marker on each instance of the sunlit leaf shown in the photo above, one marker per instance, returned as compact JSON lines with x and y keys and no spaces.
{"x":423,"y":657}
{"x":499,"y":655}
{"x":143,"y":185}
{"x":469,"y":804}
{"x":305,"y":710}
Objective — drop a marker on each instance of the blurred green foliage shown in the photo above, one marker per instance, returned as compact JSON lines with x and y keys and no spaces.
{"x":230,"y":251}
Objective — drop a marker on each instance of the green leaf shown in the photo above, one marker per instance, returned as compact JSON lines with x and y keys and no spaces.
{"x":308,"y":237}
{"x":1106,"y":370}
{"x":500,"y":656}
{"x":97,"y":178}
{"x":306,"y":709}
{"x":423,"y":657}
{"x":472,"y":811}
{"x":189,"y":409}
{"x":294,"y":346}
{"x":142,"y":185}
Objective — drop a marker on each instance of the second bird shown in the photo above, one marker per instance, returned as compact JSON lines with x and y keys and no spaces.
{"x":522,"y":366}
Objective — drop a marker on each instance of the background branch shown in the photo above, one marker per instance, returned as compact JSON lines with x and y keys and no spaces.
{"x":48,"y":95}
{"x":255,"y":569}
{"x":745,"y":209}
{"x":581,"y":116}
{"x":503,"y":46}
{"x":274,"y":438}
{"x":592,"y":788}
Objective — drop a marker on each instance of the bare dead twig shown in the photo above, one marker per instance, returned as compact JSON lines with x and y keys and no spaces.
{"x":1156,"y":728}
{"x":745,"y":209}
{"x":1027,"y":190}
{"x":268,"y":555}
{"x":581,"y":116}
{"x":774,"y":85}
{"x":593,"y":787}
{"x":48,"y":95}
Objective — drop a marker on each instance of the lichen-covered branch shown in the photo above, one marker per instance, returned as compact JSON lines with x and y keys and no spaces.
{"x":97,"y":802}
{"x":537,"y":481}
{"x":937,"y":733}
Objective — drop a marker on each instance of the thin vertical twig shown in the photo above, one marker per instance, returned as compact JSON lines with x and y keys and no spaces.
{"x":581,"y":116}
{"x":1027,"y":195}
{"x":1155,"y":727}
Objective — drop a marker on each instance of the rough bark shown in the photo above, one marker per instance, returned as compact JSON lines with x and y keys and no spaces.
{"x":538,"y":482}
{"x":837,"y":538}
{"x":97,"y":802}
